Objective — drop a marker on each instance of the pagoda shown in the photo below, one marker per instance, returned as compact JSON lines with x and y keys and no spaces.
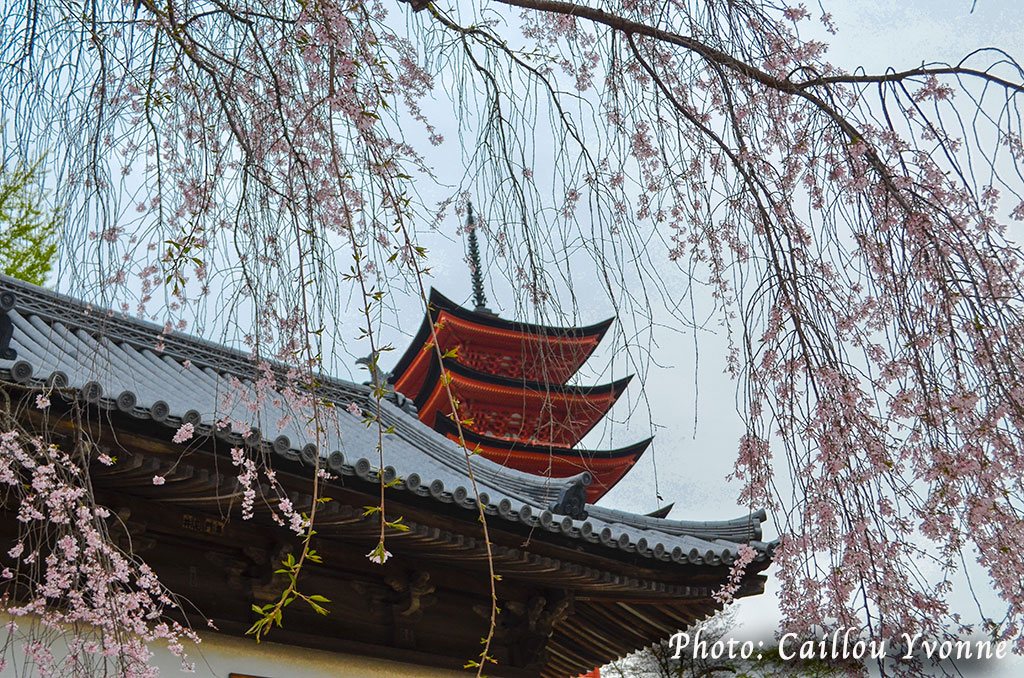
{"x":510,"y":381}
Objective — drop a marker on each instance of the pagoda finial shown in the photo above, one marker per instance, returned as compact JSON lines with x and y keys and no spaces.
{"x":479,"y":300}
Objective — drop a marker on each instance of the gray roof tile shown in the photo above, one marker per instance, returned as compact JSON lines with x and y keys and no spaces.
{"x":59,"y":337}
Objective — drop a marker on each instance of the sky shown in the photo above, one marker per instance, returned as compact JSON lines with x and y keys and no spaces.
{"x":871,"y":33}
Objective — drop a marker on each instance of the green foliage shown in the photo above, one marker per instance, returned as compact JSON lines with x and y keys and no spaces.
{"x":27,"y":226}
{"x":272,"y":613}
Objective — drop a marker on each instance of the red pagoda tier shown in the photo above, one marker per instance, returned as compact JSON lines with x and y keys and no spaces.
{"x":606,"y":467}
{"x":495,"y":346}
{"x":510,"y":379}
{"x":525,"y":411}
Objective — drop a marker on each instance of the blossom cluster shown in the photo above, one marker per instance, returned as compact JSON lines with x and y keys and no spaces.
{"x":66,"y":573}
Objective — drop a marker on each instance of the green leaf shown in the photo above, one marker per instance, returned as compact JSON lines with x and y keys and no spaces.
{"x":27,"y":226}
{"x":398,"y":525}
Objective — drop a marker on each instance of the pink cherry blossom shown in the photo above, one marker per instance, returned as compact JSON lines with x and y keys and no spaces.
{"x":184,"y":432}
{"x":379,"y":555}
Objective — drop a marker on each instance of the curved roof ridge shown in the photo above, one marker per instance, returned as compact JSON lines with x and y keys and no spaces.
{"x":122,"y":328}
{"x":441,"y":302}
{"x":617,"y":386}
{"x":746,"y":528}
{"x":82,"y":351}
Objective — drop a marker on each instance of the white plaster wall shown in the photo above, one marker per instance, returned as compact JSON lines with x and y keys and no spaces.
{"x":220,"y":655}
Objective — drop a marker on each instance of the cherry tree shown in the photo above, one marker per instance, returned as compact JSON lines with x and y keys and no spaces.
{"x":851,"y":228}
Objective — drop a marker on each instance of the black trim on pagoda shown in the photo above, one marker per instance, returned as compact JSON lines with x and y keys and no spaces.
{"x":444,"y":425}
{"x":616,"y":388}
{"x":438,"y":302}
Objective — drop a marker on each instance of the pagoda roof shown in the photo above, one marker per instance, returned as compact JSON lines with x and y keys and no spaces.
{"x":514,"y":335}
{"x":569,"y":412}
{"x":606,"y":467}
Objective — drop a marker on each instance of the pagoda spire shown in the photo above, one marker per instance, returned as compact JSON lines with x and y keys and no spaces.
{"x":479,"y":300}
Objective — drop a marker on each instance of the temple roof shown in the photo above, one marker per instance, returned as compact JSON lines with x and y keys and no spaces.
{"x":577,"y":585}
{"x":136,"y":368}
